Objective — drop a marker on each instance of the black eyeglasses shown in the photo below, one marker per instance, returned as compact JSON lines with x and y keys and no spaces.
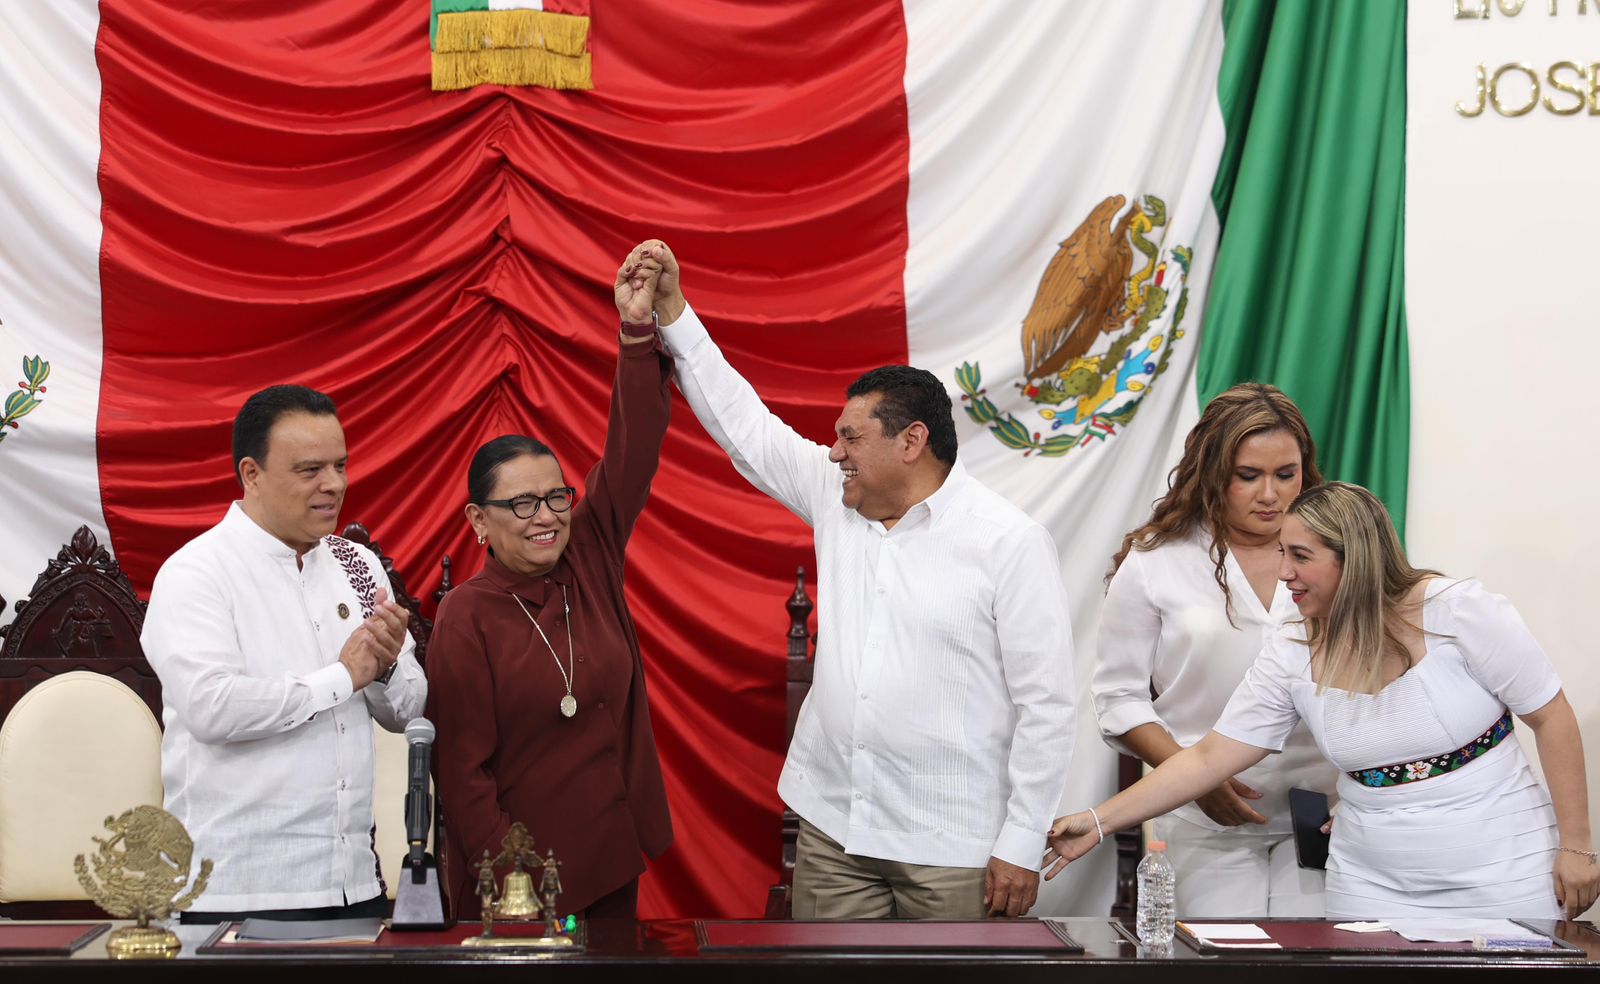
{"x":527,"y":506}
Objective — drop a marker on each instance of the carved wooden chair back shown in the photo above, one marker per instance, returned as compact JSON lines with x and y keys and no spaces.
{"x":81,"y":614}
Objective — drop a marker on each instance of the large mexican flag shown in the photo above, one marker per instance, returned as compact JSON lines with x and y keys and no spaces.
{"x":1084,"y":217}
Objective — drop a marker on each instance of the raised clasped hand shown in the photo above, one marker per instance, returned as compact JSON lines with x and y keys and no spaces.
{"x":636,"y":285}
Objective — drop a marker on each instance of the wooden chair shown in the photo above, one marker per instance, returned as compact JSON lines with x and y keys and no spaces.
{"x":76,"y":749}
{"x":82,"y":614}
{"x":800,"y":644}
{"x":1130,"y":846}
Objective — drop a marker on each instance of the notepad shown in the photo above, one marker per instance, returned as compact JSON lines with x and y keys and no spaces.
{"x":316,"y":931}
{"x":1232,"y":932}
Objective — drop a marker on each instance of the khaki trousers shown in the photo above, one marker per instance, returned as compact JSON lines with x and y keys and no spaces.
{"x":830,"y":884}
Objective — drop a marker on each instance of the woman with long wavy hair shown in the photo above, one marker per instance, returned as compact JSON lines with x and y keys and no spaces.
{"x":1410,"y":682}
{"x":1191,"y":594}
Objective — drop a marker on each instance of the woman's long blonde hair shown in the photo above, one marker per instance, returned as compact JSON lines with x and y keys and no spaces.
{"x":1359,"y":630}
{"x":1197,"y":489}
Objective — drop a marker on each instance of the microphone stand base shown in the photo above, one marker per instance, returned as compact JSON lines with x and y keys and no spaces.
{"x":419,"y":903}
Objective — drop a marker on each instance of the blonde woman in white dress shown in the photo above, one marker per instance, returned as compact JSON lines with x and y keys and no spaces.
{"x":1192,"y":595}
{"x":1410,"y":683}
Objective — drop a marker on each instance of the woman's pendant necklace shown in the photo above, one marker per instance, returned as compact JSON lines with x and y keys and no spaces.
{"x":569,"y":703}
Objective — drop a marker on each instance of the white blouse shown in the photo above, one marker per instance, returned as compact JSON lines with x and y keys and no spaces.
{"x":1165,"y":626}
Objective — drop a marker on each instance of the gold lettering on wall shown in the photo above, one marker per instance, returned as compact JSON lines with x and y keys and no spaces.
{"x":1483,"y":95}
{"x":1576,"y":90}
{"x":1575,"y":80}
{"x":1494,"y":89}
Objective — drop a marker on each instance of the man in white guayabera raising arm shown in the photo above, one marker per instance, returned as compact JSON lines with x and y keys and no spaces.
{"x":930,"y":756}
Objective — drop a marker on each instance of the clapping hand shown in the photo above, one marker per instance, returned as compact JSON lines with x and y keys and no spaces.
{"x":375,"y":644}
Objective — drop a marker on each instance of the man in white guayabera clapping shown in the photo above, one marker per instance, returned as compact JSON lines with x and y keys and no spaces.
{"x":277,"y":647}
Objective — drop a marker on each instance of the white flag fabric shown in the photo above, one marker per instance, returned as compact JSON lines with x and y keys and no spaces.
{"x":1027,"y":119}
{"x":49,"y":283}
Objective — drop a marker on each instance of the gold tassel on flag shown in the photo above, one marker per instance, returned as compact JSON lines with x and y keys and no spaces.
{"x":510,"y":66}
{"x":511,"y":47}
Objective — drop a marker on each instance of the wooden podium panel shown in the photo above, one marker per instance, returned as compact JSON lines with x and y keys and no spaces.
{"x":47,"y":939}
{"x":987,"y":936}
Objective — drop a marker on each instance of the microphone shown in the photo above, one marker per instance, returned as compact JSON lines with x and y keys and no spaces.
{"x":418,"y":898}
{"x":419,"y":805}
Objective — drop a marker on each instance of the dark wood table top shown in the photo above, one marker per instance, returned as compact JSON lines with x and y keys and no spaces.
{"x":670,"y":950}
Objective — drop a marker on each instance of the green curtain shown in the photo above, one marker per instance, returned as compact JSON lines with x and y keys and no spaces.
{"x":1308,"y":292}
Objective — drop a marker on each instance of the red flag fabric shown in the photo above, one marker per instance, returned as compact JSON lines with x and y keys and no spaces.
{"x":286,"y":200}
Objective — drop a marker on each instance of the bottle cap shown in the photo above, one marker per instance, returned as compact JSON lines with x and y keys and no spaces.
{"x":1156,"y":846}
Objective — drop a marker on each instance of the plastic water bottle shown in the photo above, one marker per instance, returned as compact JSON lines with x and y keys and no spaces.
{"x":1156,"y":919}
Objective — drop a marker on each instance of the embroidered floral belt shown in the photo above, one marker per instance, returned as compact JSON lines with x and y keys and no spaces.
{"x":1438,"y":765}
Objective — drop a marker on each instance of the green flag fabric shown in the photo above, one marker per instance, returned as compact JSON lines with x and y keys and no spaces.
{"x":1309,"y":286}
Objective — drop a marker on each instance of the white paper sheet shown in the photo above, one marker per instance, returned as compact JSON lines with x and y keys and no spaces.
{"x":1460,"y":930}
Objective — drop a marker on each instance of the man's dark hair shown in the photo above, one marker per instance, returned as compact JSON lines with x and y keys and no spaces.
{"x":910,"y":395}
{"x":255,"y":420}
{"x":487,"y":461}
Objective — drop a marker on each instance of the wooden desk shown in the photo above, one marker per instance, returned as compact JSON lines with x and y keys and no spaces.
{"x":667,"y":952}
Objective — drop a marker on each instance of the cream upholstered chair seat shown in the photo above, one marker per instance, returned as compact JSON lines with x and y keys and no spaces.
{"x":77,"y":748}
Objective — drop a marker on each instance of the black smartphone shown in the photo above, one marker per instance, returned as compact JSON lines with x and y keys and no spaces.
{"x":1308,"y":811}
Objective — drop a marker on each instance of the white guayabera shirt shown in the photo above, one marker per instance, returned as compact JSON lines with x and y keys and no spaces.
{"x":940,"y":719}
{"x":267,"y":757}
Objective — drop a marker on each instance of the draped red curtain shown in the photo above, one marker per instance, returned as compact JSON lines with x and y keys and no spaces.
{"x":285,"y":200}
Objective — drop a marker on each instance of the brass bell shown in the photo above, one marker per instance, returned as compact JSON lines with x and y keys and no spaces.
{"x":517,"y":900}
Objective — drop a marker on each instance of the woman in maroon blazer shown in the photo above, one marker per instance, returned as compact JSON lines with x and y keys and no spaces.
{"x":535,"y":682}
